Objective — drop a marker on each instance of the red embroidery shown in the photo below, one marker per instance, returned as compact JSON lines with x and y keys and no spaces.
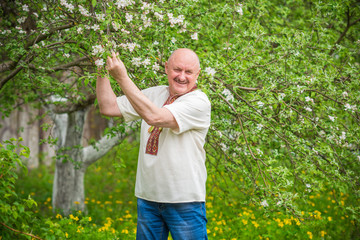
{"x":152,"y":145}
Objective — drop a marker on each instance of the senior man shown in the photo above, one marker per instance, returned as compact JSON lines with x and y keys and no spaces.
{"x":171,"y":174}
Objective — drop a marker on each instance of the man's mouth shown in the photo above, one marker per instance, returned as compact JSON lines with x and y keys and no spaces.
{"x":180,"y":81}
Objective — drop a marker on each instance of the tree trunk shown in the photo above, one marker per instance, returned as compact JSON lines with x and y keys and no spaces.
{"x":72,"y":159}
{"x":68,"y":188}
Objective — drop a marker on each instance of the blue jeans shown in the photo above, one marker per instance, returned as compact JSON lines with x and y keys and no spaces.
{"x":185,"y":221}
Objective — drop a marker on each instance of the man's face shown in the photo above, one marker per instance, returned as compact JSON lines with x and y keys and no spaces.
{"x":182,"y":71}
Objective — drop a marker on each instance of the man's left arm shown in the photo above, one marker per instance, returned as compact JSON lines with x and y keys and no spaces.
{"x":153,"y":115}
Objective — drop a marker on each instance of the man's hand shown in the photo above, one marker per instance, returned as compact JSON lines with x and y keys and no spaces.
{"x":116,"y":67}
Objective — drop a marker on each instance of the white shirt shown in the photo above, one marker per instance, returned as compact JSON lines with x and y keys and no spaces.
{"x":177,"y":173}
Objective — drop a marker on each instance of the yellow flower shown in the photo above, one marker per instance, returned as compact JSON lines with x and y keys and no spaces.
{"x":76,"y":202}
{"x":255,"y":224}
{"x":310,"y":235}
{"x":244,"y":221}
{"x":66,"y":235}
{"x":125,"y":231}
{"x":281,"y":224}
{"x":71,"y":216}
{"x":58,"y":216}
{"x":322,"y":233}
{"x":90,"y":219}
{"x":329,"y":219}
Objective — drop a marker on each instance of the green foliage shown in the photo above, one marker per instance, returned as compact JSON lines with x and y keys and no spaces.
{"x":282,"y":77}
{"x":15,"y":212}
{"x":111,"y":207}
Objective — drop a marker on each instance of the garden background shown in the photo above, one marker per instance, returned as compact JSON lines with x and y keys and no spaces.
{"x":283,"y":153}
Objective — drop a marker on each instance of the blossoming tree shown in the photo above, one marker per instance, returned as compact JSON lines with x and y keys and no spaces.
{"x":282,"y":78}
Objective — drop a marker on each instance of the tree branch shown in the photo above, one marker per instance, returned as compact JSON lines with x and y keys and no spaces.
{"x":17,"y":231}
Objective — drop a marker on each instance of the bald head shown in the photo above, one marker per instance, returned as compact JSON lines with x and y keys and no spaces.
{"x":182,"y":69}
{"x":185,"y":54}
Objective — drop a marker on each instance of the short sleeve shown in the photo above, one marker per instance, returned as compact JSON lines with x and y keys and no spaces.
{"x":157,"y":95}
{"x":192,"y":111}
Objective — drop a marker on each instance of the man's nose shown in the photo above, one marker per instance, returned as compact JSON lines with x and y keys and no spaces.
{"x":182,"y":76}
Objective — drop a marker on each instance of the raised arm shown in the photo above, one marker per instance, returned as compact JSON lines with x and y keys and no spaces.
{"x":106,"y":98}
{"x":153,"y":115}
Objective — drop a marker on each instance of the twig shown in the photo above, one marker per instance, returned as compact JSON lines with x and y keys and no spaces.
{"x":28,"y":234}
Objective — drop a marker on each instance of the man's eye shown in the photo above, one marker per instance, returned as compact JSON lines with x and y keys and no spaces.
{"x":188,"y":72}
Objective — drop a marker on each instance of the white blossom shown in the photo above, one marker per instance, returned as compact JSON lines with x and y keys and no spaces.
{"x":36,"y":15}
{"x":129,"y":17}
{"x":100,"y":17}
{"x":259,"y":151}
{"x":146,"y":62}
{"x":66,"y":55}
{"x":83,"y":11}
{"x":21,"y":20}
{"x":309,"y":99}
{"x":25,"y":8}
{"x":259,"y":126}
{"x":173,"y":40}
{"x":228,"y":95}
{"x":281,"y":96}
{"x":125,"y":31}
{"x":260,"y":104}
{"x":195,"y":36}
{"x":156,"y":43}
{"x":79,"y":30}
{"x":308,"y":109}
{"x":175,"y":20}
{"x":332,"y":118}
{"x":95,"y":27}
{"x":156,"y":67}
{"x":99,"y":62}
{"x":124,"y":3}
{"x":136,"y":61}
{"x":97,"y":49}
{"x":308,"y":185}
{"x":264,"y":203}
{"x":69,"y":6}
{"x":343,"y":136}
{"x":159,"y":16}
{"x":210,"y":71}
{"x":345,"y":94}
{"x":239,"y":9}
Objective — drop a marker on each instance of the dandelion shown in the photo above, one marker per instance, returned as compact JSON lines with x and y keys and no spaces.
{"x":322,"y":233}
{"x":310,"y":235}
{"x":90,"y":219}
{"x":329,"y":219}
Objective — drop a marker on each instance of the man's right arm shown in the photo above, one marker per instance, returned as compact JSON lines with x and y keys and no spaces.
{"x":106,"y":98}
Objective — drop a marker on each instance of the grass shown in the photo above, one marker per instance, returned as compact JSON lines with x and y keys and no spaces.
{"x":111,"y":207}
